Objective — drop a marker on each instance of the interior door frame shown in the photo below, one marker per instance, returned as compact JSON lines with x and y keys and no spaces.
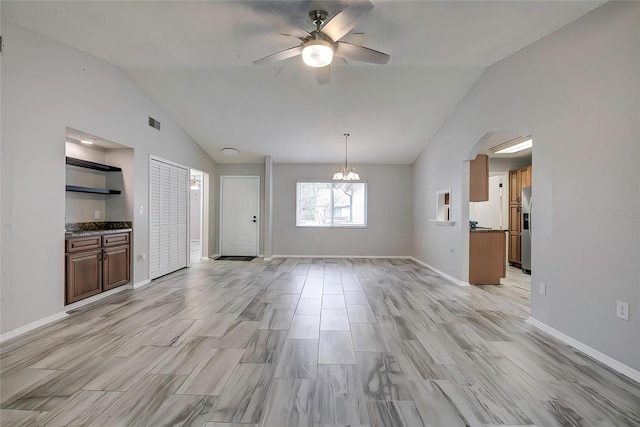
{"x":220,"y":240}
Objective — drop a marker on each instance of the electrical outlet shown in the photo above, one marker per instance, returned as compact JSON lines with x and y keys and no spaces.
{"x":142,"y":257}
{"x":542,"y":288}
{"x":96,"y":214}
{"x":622,"y":310}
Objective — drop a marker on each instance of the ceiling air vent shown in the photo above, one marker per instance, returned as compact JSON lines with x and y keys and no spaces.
{"x":154,"y":123}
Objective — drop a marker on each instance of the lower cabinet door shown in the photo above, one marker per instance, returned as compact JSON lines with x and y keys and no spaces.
{"x":514,"y":248}
{"x":84,"y":275}
{"x":115,"y":267}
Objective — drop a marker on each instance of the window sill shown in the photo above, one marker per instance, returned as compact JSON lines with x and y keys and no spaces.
{"x":442,"y":222}
{"x":331,"y":226}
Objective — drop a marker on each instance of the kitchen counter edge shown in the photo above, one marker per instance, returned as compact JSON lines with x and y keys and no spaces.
{"x":89,"y":233}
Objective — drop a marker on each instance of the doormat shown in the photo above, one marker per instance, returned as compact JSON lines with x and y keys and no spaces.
{"x":234,"y":258}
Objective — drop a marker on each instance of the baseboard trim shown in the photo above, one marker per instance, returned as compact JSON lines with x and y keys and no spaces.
{"x":33,"y":325}
{"x":53,"y":318}
{"x":341,"y":256}
{"x":95,"y":298}
{"x":141,"y":284}
{"x":441,"y":273}
{"x":589,"y":351}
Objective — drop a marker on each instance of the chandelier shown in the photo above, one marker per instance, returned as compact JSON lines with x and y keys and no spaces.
{"x":346,"y":172}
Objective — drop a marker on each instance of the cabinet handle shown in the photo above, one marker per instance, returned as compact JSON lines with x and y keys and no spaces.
{"x":73,"y":245}
{"x":104,"y":255}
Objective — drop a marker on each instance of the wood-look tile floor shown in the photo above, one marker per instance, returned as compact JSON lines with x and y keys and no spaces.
{"x":319,"y":342}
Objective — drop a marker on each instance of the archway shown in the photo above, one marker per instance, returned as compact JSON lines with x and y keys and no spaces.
{"x":502,"y":210}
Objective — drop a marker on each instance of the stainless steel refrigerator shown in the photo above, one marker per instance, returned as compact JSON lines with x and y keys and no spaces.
{"x":525,"y":228}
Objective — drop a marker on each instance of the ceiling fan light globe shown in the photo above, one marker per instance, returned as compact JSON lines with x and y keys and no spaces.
{"x":317,"y":53}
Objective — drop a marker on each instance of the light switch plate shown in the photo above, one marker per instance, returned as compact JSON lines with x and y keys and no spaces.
{"x":96,"y":214}
{"x":141,"y":210}
{"x":542,"y":289}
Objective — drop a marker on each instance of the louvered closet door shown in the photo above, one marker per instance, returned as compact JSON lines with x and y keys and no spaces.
{"x":167,"y":218}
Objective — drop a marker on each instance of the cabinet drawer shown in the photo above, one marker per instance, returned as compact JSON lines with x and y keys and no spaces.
{"x":115,"y":239}
{"x":83,"y":244}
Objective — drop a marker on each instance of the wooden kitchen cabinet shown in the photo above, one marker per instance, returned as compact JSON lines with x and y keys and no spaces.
{"x":514,"y":187}
{"x":487,"y":258}
{"x":479,"y":179}
{"x":514,"y":218}
{"x":525,"y":177}
{"x":84,"y":275}
{"x":96,"y":264}
{"x":115,"y":267}
{"x":514,"y":248}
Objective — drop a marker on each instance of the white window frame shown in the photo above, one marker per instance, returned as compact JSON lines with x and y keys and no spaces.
{"x":321,"y":181}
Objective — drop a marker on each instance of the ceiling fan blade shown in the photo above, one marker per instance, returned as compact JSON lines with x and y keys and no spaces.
{"x":279,"y":20}
{"x":361,"y":53}
{"x":322,"y":74}
{"x":279,"y":56}
{"x":344,"y":21}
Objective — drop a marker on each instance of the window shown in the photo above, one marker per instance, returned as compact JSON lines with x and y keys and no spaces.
{"x":331,"y":204}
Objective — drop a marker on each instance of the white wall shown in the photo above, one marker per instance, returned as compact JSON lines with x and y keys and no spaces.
{"x":389,"y":214}
{"x":492,"y":212}
{"x":48,"y":86}
{"x":581,"y":86}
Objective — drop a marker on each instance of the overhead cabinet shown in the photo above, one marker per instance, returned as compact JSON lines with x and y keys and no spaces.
{"x":479,"y":179}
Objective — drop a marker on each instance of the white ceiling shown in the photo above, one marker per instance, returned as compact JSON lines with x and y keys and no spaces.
{"x":194,"y":59}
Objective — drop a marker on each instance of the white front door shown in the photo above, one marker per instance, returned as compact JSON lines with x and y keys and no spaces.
{"x":240,"y":203}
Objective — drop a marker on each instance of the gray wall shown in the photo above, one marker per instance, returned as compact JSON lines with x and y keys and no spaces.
{"x":508,"y":164}
{"x":389,"y":214}
{"x":120,"y":207}
{"x":581,"y":87}
{"x":80,"y":207}
{"x":56,"y":86}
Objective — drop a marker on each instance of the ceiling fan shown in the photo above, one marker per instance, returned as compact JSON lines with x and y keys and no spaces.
{"x":320,"y":45}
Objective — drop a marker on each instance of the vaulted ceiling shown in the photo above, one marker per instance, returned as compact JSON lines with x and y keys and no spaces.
{"x":194,"y":59}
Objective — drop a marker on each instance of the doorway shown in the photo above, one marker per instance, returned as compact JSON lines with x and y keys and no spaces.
{"x":195,"y":216}
{"x":239,"y":222}
{"x":510,"y":160}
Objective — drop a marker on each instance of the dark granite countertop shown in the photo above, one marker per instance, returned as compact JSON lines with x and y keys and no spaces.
{"x":86,"y":229}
